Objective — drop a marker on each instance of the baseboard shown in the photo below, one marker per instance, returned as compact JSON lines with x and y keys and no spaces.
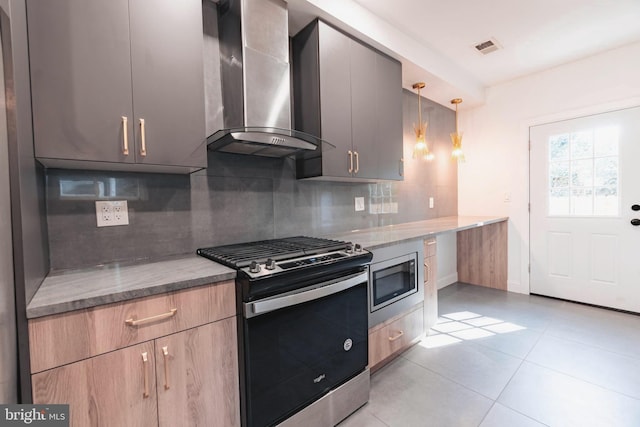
{"x":518,"y":287}
{"x":447,"y":280}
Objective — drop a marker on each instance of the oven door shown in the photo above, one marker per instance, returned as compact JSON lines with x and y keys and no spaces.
{"x":300,"y":345}
{"x":393,"y":280}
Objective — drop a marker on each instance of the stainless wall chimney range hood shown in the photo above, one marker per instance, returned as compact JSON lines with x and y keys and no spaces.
{"x":254,"y":69}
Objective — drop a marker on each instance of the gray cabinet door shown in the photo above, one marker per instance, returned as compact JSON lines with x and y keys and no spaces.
{"x":364,"y":86}
{"x":388,"y":105}
{"x":168,"y":84}
{"x":335,"y":100}
{"x":80,"y":78}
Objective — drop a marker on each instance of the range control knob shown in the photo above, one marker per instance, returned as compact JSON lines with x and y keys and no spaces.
{"x":349,"y":248}
{"x":358,"y":247}
{"x":254,"y":267}
{"x":270,"y":264}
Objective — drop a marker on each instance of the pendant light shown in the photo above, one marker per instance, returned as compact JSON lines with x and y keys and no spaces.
{"x":456,"y":137}
{"x":420,"y":148}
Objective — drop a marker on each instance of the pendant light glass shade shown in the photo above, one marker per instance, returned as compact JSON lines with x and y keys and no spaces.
{"x":420,"y":148}
{"x":456,"y":137}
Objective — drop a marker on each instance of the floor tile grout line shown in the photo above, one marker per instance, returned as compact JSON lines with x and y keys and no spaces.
{"x":448,"y":379}
{"x":558,"y":337}
{"x":515,"y":372}
{"x":600,"y":386}
{"x":522,"y":360}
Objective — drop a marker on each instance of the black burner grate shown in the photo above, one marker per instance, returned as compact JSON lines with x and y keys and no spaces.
{"x":240,"y":255}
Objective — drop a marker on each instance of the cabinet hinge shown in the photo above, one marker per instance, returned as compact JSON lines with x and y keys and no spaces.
{"x":529,"y":207}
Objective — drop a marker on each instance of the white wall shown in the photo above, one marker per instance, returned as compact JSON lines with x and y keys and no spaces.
{"x":496,"y":136}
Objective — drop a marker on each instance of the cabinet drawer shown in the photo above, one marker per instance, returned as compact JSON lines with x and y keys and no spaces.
{"x":64,"y":338}
{"x":430,"y":247}
{"x":394,"y":337}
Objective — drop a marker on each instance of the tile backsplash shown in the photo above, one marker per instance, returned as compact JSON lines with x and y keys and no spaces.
{"x":241,"y":198}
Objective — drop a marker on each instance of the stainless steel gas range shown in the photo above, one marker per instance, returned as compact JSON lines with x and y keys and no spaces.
{"x":303,"y":329}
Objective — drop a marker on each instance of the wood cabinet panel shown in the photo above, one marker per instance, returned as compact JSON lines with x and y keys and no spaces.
{"x":197,"y":380}
{"x":482,"y":256}
{"x":99,"y":389}
{"x":430,"y":284}
{"x":393,"y":337}
{"x":69,"y":337}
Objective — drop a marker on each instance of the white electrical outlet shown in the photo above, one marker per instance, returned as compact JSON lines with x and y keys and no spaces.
{"x":359,"y":204}
{"x":109,"y":213}
{"x":430,"y":202}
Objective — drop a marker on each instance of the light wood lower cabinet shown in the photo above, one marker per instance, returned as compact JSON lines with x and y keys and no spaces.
{"x":197,"y":376}
{"x":394,"y":336}
{"x":430,"y":284}
{"x":187,"y":377}
{"x":107,"y":390}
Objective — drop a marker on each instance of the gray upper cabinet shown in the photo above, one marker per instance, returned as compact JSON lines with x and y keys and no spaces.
{"x":350,"y":95}
{"x":118,"y":85}
{"x":388,"y":102}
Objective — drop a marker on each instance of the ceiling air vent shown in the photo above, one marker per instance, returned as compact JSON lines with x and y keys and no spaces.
{"x":487,"y":46}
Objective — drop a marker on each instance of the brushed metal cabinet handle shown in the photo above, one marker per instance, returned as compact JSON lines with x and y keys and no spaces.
{"x":170,"y":313}
{"x":357,"y":162}
{"x":143,"y":139}
{"x":145,"y":361}
{"x":165,"y":355}
{"x":350,"y":161}
{"x":428,"y":271}
{"x":398,"y":335}
{"x":125,"y":136}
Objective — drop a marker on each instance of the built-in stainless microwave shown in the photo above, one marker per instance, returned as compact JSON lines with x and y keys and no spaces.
{"x":395,"y":280}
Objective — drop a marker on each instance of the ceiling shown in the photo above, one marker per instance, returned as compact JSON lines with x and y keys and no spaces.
{"x":435,"y":39}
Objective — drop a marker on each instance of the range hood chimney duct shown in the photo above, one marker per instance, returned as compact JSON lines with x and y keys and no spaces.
{"x":254,"y":68}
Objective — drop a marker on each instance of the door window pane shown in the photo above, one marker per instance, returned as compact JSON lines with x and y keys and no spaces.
{"x":606,"y":141}
{"x":583,"y":173}
{"x":581,"y":145}
{"x":559,"y":147}
{"x":582,"y":201}
{"x":559,"y":174}
{"x":559,"y":203}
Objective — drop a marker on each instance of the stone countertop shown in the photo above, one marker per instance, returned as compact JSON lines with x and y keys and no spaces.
{"x":379,"y":237}
{"x":76,"y":289}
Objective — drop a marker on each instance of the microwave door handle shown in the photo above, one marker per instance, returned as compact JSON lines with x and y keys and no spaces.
{"x":256,"y":308}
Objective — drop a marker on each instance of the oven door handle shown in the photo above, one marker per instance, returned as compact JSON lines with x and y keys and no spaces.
{"x":314,"y":292}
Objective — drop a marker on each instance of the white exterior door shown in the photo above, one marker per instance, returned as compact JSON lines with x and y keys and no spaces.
{"x":585,"y":180}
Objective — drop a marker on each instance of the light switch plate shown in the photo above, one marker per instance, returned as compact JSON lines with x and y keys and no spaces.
{"x":112,"y":212}
{"x":430,"y":202}
{"x":359,"y":204}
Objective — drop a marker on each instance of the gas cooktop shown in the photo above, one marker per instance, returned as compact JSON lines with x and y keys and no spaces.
{"x":242,"y":254}
{"x":269,"y":257}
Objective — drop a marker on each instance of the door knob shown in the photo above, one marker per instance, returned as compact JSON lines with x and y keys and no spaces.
{"x":635,"y":207}
{"x":635,"y":221}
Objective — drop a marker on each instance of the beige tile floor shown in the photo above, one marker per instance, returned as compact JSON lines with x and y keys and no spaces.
{"x":498,"y":359}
